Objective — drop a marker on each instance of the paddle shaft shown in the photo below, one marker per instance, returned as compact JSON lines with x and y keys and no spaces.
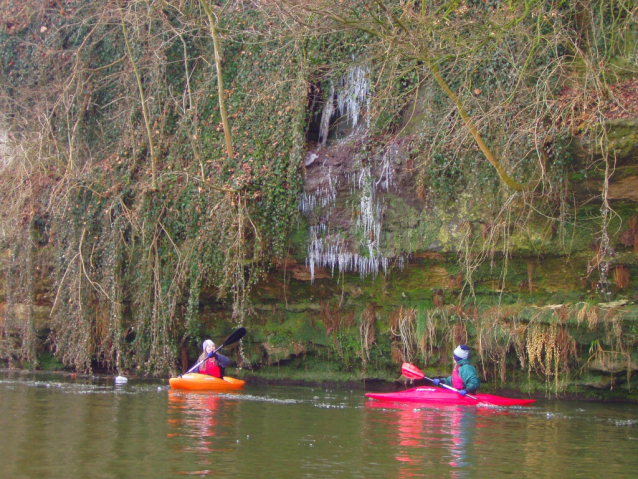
{"x":233,"y":338}
{"x":412,"y":372}
{"x":197,"y":365}
{"x":442,"y":384}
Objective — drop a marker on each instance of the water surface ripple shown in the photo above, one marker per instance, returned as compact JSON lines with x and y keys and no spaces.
{"x":89,"y":428}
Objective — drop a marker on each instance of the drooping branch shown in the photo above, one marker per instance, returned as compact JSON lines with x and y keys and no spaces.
{"x":140,"y":86}
{"x":471,"y":126}
{"x":214,"y":33}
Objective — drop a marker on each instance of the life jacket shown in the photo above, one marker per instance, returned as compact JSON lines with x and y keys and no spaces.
{"x":211,"y":368}
{"x":457,"y":382}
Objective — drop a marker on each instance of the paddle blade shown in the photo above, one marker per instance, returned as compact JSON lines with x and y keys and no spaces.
{"x":236,"y":336}
{"x":411,"y":371}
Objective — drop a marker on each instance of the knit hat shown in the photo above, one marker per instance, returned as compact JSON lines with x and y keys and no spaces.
{"x":461,"y":352}
{"x":207,"y":343}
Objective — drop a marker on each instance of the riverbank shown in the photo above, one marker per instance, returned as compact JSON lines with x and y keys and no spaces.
{"x":532,"y":390}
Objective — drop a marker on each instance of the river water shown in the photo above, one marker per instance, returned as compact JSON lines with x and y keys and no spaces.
{"x":53,"y":427}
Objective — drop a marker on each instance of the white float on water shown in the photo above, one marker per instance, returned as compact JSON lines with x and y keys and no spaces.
{"x":121,"y":380}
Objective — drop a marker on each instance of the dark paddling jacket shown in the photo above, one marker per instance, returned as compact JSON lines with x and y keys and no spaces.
{"x":468,"y":375}
{"x":215,"y":366}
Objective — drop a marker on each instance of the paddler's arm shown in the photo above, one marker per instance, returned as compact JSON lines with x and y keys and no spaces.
{"x":222,"y":361}
{"x":447,"y":381}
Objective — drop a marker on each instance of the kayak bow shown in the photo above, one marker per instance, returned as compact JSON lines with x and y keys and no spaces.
{"x":443,"y":397}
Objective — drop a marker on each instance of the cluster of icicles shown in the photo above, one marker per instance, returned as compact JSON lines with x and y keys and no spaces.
{"x":354,"y":92}
{"x":322,"y":197}
{"x":330,"y":249}
{"x":351,"y":95}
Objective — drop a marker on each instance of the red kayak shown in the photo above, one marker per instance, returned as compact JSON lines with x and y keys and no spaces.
{"x":444,"y":397}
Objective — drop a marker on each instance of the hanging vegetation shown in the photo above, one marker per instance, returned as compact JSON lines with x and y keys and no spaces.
{"x":362,"y":182}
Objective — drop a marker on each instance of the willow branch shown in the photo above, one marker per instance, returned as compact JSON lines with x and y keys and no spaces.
{"x":214,"y":33}
{"x":471,"y":126}
{"x":140,"y":86}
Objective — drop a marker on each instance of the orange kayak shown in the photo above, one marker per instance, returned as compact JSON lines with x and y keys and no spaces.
{"x":204,"y":382}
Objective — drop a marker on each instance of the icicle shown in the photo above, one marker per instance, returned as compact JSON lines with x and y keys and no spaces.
{"x":328,"y":111}
{"x":329,"y":250}
{"x":386,"y":176}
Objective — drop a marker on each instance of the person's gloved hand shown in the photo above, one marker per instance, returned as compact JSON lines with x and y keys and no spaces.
{"x":462,"y":392}
{"x":211,"y":354}
{"x":436,"y":382}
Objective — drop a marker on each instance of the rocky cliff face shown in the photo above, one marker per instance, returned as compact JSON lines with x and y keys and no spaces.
{"x":356,"y":196}
{"x":377,"y":275}
{"x":527,"y":290}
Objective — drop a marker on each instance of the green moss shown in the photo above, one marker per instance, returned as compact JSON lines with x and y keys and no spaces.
{"x":48,"y":362}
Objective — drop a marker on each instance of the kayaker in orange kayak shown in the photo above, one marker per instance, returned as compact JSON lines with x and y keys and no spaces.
{"x":464,"y":376}
{"x":215,"y":364}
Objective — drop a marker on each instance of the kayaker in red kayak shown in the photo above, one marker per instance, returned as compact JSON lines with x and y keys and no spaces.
{"x":464,"y":376}
{"x":215,"y":363}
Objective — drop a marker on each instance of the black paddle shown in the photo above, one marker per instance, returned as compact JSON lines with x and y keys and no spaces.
{"x":233,"y":338}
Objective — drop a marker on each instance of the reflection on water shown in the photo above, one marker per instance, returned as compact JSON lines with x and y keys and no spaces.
{"x":431,"y":438}
{"x":64,"y":428}
{"x":551,"y":439}
{"x":197,"y":427}
{"x":428,"y":439}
